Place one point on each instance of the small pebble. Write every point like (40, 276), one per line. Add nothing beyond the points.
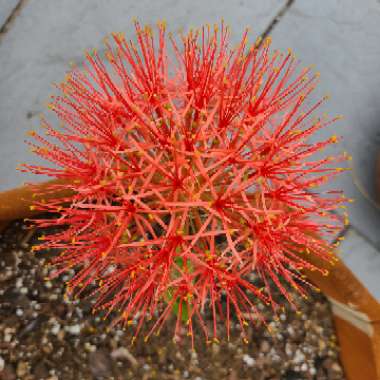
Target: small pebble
(90, 347)
(77, 344)
(146, 367)
(74, 329)
(248, 360)
(23, 290)
(55, 329)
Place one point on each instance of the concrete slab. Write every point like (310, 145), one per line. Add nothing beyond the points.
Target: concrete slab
(47, 35)
(362, 259)
(6, 8)
(342, 39)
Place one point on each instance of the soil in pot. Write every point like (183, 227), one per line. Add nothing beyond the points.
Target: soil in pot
(42, 336)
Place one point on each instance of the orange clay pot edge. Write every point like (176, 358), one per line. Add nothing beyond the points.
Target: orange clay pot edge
(343, 286)
(15, 203)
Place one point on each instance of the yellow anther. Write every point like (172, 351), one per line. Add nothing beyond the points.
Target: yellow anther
(109, 56)
(268, 41)
(148, 30)
(162, 24)
(347, 156)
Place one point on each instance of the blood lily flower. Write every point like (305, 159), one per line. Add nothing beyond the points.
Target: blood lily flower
(190, 171)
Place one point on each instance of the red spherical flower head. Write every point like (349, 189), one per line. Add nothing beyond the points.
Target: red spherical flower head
(191, 176)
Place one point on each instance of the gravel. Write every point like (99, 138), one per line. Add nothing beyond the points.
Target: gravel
(43, 336)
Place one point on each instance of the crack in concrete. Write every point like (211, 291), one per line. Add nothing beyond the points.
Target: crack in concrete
(341, 234)
(9, 21)
(277, 19)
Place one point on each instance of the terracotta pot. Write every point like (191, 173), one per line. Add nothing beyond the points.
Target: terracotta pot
(356, 311)
(357, 320)
(15, 203)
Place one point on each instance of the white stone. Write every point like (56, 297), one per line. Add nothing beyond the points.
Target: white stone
(146, 367)
(73, 329)
(24, 290)
(299, 357)
(248, 360)
(288, 350)
(55, 329)
(312, 371)
(304, 367)
(48, 284)
(89, 347)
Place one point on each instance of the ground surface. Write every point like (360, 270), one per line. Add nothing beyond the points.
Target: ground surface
(44, 337)
(38, 38)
